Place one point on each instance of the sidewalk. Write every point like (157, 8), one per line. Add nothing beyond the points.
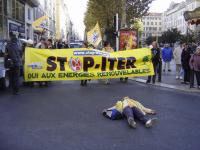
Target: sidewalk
(169, 81)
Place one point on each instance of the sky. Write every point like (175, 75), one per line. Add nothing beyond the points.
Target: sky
(77, 8)
(161, 5)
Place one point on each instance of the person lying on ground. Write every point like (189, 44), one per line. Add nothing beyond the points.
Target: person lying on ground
(130, 109)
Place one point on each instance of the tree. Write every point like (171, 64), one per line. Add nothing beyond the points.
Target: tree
(171, 36)
(103, 11)
(136, 9)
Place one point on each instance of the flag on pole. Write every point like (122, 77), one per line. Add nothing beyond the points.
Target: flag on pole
(94, 36)
(40, 23)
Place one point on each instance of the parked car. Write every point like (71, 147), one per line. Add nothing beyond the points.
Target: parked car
(75, 45)
(4, 78)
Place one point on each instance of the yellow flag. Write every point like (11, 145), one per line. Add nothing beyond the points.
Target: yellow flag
(39, 24)
(94, 35)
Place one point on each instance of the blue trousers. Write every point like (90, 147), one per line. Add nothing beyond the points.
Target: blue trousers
(134, 113)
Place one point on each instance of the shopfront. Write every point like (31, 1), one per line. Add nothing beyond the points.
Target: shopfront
(12, 18)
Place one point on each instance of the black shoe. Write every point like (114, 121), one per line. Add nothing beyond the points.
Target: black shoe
(131, 123)
(126, 80)
(184, 83)
(15, 92)
(147, 82)
(163, 70)
(169, 70)
(154, 82)
(192, 86)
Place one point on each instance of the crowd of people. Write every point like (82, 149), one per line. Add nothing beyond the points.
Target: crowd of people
(186, 57)
(187, 60)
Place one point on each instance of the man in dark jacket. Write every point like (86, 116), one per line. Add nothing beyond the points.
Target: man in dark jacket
(13, 55)
(155, 60)
(185, 59)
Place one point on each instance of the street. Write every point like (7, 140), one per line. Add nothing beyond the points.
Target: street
(65, 116)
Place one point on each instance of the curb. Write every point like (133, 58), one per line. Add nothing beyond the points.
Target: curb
(181, 88)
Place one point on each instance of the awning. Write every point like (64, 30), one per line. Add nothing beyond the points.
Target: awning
(193, 17)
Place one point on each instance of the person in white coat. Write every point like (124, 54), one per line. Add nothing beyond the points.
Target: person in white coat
(177, 57)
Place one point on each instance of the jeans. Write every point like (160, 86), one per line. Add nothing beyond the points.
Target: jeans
(14, 76)
(167, 65)
(155, 71)
(134, 113)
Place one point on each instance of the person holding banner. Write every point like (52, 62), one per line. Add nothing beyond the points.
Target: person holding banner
(156, 59)
(126, 47)
(107, 48)
(84, 82)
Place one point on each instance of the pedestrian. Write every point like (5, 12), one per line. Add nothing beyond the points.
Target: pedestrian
(195, 67)
(13, 61)
(84, 82)
(130, 109)
(107, 48)
(49, 44)
(167, 56)
(41, 44)
(177, 57)
(59, 44)
(125, 47)
(155, 60)
(185, 58)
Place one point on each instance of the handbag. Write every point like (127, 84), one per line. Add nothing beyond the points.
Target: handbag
(8, 63)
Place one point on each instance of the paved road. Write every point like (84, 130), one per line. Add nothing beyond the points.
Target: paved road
(67, 117)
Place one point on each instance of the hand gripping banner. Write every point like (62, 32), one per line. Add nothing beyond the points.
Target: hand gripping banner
(81, 64)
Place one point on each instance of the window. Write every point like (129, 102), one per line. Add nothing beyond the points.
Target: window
(155, 23)
(160, 23)
(147, 23)
(29, 14)
(151, 23)
(1, 6)
(1, 23)
(13, 6)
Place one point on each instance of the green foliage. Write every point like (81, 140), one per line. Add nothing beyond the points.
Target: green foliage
(171, 36)
(103, 11)
(138, 25)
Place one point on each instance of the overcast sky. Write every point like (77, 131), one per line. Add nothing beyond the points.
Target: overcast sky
(77, 9)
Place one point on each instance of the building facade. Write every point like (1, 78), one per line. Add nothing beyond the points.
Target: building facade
(63, 21)
(48, 8)
(152, 25)
(173, 17)
(12, 18)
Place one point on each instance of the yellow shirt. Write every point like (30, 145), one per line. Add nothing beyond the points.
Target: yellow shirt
(120, 105)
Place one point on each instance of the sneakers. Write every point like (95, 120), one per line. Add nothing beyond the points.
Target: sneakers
(131, 123)
(177, 77)
(181, 78)
(150, 122)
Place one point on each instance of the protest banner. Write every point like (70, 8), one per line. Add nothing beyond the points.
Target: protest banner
(80, 64)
